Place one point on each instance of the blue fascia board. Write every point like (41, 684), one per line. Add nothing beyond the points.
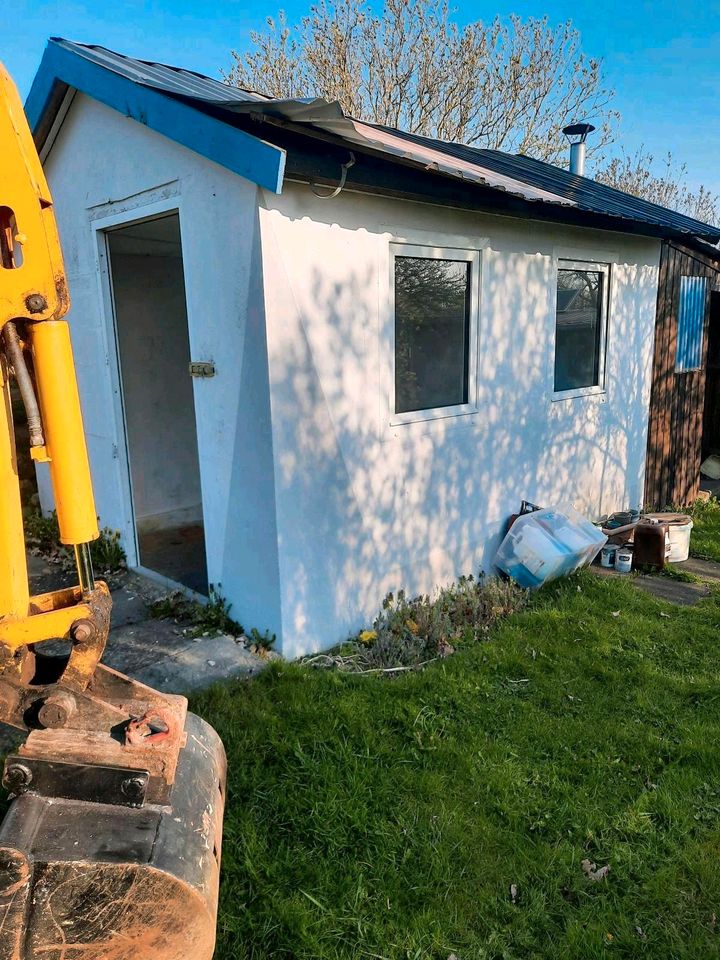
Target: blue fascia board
(260, 162)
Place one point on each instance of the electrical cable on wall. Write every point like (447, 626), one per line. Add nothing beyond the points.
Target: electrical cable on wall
(345, 167)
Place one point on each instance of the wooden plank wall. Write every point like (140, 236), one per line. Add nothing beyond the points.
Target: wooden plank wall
(674, 450)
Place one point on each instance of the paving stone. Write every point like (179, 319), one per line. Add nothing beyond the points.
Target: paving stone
(673, 591)
(707, 570)
(664, 588)
(135, 646)
(196, 665)
(159, 653)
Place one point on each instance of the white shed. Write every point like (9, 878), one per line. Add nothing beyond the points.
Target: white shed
(321, 360)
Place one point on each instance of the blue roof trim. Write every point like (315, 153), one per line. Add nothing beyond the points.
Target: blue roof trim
(260, 162)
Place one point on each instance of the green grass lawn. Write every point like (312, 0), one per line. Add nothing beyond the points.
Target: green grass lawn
(705, 539)
(370, 817)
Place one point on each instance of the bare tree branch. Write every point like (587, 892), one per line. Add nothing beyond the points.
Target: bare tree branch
(636, 174)
(504, 85)
(507, 85)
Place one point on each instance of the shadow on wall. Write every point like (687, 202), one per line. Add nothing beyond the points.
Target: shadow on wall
(363, 508)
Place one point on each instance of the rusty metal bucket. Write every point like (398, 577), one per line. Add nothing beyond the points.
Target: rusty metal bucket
(104, 881)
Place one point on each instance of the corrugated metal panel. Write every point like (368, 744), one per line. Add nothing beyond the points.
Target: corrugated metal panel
(523, 176)
(691, 322)
(185, 83)
(585, 192)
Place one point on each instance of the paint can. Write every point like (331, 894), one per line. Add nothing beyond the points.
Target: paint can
(607, 555)
(623, 559)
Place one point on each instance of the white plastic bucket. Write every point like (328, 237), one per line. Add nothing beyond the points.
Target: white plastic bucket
(623, 560)
(679, 541)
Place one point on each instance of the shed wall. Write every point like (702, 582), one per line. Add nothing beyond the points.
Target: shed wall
(364, 507)
(314, 505)
(674, 450)
(104, 166)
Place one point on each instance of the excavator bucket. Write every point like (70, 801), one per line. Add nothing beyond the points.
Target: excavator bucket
(110, 877)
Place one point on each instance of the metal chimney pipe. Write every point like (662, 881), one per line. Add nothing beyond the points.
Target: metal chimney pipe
(577, 158)
(577, 147)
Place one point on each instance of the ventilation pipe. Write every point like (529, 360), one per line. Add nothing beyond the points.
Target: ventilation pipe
(578, 132)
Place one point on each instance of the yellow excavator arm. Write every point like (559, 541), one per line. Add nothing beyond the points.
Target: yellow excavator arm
(111, 846)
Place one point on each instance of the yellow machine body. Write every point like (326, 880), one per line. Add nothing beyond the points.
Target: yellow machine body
(111, 846)
(28, 224)
(33, 291)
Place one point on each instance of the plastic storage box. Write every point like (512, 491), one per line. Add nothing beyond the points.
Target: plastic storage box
(547, 544)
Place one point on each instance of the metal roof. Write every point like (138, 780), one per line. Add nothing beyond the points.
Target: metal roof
(587, 193)
(522, 176)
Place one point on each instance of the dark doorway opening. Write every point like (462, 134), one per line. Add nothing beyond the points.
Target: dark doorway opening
(711, 415)
(154, 352)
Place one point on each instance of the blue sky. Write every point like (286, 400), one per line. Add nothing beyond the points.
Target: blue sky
(662, 58)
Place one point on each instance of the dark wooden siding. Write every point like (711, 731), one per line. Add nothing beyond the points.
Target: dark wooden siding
(674, 450)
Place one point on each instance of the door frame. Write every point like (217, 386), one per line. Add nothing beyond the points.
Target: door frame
(102, 226)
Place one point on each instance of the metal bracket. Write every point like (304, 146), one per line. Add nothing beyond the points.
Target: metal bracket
(201, 368)
(119, 786)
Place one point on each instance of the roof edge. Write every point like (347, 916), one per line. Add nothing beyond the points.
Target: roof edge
(254, 159)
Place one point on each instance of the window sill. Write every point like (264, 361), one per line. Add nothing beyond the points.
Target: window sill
(425, 416)
(578, 393)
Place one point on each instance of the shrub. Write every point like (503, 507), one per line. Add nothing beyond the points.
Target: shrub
(410, 632)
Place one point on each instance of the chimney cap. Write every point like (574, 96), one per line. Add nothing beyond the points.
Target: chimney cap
(578, 130)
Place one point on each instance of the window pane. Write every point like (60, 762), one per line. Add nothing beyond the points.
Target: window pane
(432, 323)
(578, 321)
(691, 323)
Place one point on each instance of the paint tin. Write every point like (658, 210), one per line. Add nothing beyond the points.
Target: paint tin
(607, 555)
(623, 560)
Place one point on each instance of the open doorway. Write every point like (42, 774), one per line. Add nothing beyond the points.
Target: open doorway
(711, 418)
(153, 347)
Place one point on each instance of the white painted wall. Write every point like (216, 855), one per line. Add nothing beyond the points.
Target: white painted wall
(152, 333)
(313, 513)
(364, 507)
(103, 168)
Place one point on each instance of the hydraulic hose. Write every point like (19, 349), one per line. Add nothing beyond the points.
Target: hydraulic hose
(15, 355)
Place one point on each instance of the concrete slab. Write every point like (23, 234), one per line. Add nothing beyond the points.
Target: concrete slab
(664, 588)
(707, 570)
(161, 654)
(673, 591)
(198, 664)
(134, 646)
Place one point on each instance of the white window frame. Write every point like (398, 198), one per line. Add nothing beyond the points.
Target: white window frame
(429, 252)
(600, 387)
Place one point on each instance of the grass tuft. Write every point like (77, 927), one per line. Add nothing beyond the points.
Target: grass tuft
(212, 617)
